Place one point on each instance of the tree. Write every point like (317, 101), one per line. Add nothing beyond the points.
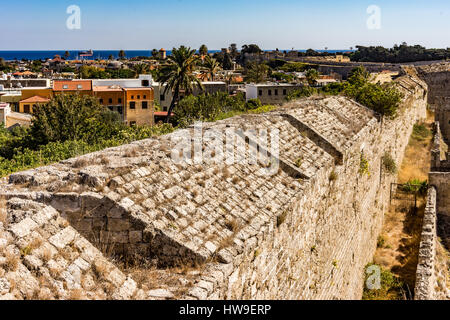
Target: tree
(252, 48)
(311, 76)
(111, 57)
(72, 117)
(122, 54)
(66, 55)
(211, 66)
(256, 72)
(383, 99)
(203, 50)
(358, 76)
(155, 53)
(233, 51)
(178, 74)
(227, 62)
(141, 68)
(36, 66)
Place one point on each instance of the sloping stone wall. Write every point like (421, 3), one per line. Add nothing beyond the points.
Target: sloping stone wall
(328, 234)
(304, 233)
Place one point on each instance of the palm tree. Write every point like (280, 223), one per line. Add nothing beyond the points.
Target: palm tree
(141, 68)
(121, 54)
(256, 72)
(203, 50)
(178, 74)
(311, 76)
(211, 67)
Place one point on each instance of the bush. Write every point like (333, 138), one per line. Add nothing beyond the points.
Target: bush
(25, 158)
(391, 287)
(253, 104)
(73, 117)
(364, 166)
(207, 107)
(415, 186)
(384, 99)
(421, 132)
(389, 163)
(305, 91)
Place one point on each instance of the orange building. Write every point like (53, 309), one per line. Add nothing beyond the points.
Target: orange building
(73, 86)
(139, 106)
(134, 104)
(112, 97)
(26, 105)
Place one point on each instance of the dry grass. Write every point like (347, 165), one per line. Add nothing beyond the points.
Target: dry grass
(398, 245)
(80, 163)
(131, 152)
(11, 262)
(225, 173)
(3, 215)
(76, 294)
(416, 162)
(104, 160)
(233, 225)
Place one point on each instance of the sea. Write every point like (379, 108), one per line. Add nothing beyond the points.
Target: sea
(98, 54)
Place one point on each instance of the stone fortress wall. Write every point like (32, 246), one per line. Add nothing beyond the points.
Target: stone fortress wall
(431, 282)
(306, 232)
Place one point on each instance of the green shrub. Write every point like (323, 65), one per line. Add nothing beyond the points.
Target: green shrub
(382, 98)
(253, 104)
(415, 186)
(391, 287)
(381, 242)
(333, 176)
(421, 132)
(389, 163)
(305, 91)
(364, 166)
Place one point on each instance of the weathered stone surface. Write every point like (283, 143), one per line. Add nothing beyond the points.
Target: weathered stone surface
(257, 228)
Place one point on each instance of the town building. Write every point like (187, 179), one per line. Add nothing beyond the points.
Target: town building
(10, 118)
(324, 80)
(270, 93)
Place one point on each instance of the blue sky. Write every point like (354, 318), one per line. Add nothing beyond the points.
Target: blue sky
(284, 24)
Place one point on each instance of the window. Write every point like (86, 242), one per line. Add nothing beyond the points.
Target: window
(26, 108)
(145, 97)
(101, 100)
(110, 100)
(276, 92)
(164, 108)
(144, 105)
(80, 86)
(132, 97)
(145, 83)
(132, 123)
(270, 92)
(260, 92)
(284, 92)
(120, 100)
(132, 105)
(120, 109)
(65, 86)
(139, 97)
(161, 97)
(111, 108)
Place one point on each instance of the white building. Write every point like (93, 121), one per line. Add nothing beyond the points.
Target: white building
(144, 81)
(270, 93)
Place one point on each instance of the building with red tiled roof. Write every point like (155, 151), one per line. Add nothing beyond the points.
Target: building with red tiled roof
(27, 105)
(72, 85)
